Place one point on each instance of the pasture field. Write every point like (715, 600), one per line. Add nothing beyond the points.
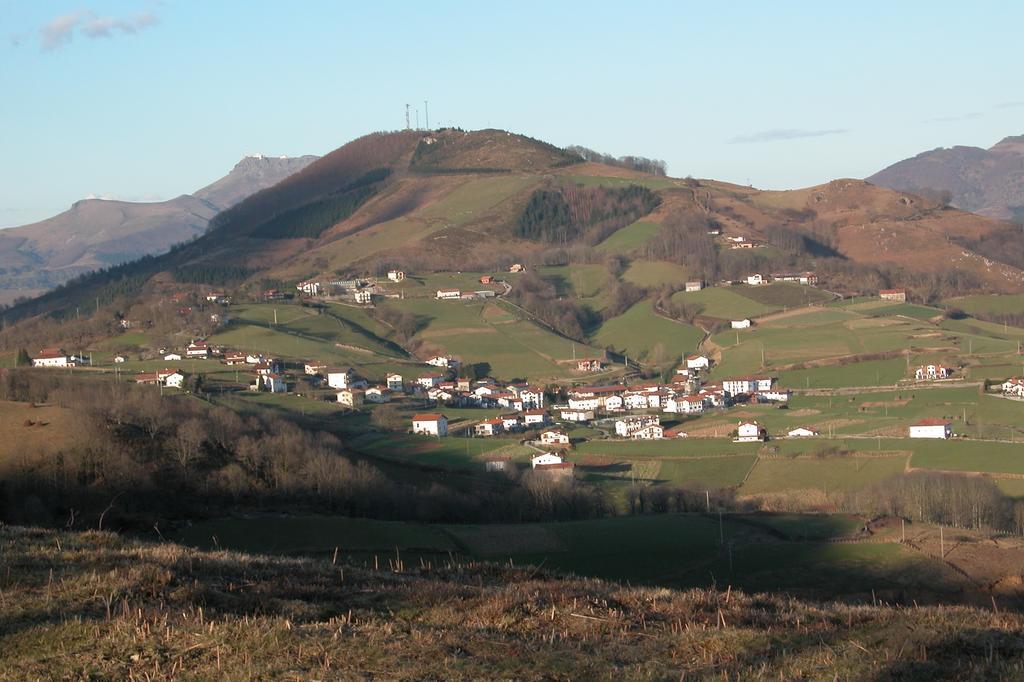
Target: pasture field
(955, 455)
(465, 454)
(784, 294)
(581, 281)
(918, 312)
(653, 274)
(650, 181)
(989, 304)
(723, 302)
(706, 472)
(642, 334)
(867, 373)
(776, 475)
(629, 238)
(28, 431)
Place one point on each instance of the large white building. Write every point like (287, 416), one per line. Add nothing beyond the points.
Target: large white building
(750, 432)
(53, 357)
(545, 459)
(738, 385)
(931, 428)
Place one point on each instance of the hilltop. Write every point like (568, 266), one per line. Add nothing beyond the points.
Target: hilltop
(985, 181)
(98, 233)
(95, 604)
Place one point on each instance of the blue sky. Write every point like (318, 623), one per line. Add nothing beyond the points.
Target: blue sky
(147, 100)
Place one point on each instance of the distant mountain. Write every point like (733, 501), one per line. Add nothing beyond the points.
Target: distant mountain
(95, 233)
(985, 181)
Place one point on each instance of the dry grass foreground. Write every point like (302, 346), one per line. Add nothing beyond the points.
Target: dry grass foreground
(96, 606)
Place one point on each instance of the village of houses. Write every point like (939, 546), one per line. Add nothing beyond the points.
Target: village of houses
(633, 411)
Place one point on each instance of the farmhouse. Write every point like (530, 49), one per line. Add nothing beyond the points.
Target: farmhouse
(197, 349)
(510, 422)
(750, 432)
(801, 432)
(340, 378)
(537, 417)
(750, 384)
(351, 397)
(698, 362)
(486, 279)
(448, 294)
(364, 296)
(53, 357)
(931, 428)
(589, 365)
(545, 459)
(172, 356)
(491, 427)
(559, 471)
(430, 424)
(799, 277)
(120, 358)
(394, 382)
(571, 415)
(893, 295)
(772, 396)
(755, 280)
(396, 275)
(627, 426)
(1013, 387)
(649, 432)
(516, 267)
(613, 403)
(442, 361)
(687, 404)
(273, 383)
(234, 359)
(740, 324)
(695, 285)
(554, 437)
(309, 288)
(930, 372)
(378, 394)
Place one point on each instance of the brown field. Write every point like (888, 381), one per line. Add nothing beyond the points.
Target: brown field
(51, 428)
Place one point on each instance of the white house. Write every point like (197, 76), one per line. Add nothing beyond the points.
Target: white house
(554, 437)
(750, 432)
(172, 356)
(510, 422)
(448, 294)
(312, 368)
(53, 357)
(394, 382)
(931, 428)
(396, 275)
(430, 423)
(309, 288)
(197, 349)
(685, 404)
(351, 397)
(497, 464)
(545, 459)
(649, 432)
(378, 394)
(627, 426)
(173, 379)
(738, 385)
(613, 403)
(931, 372)
(341, 378)
(1013, 387)
(442, 361)
(755, 280)
(773, 396)
(571, 415)
(429, 380)
(694, 285)
(532, 398)
(274, 383)
(491, 427)
(120, 358)
(801, 432)
(364, 296)
(740, 324)
(536, 417)
(698, 362)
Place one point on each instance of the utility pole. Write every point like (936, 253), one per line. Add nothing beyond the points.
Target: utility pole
(942, 543)
(406, 116)
(426, 114)
(707, 496)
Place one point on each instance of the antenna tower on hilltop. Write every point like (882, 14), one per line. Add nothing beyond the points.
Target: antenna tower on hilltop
(407, 117)
(426, 114)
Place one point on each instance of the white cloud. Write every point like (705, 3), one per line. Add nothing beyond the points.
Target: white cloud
(61, 30)
(784, 134)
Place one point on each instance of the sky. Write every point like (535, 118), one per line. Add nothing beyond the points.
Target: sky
(146, 100)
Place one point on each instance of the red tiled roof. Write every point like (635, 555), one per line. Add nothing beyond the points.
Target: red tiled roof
(428, 417)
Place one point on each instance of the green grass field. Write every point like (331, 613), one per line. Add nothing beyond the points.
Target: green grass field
(825, 474)
(643, 335)
(653, 274)
(629, 238)
(725, 303)
(784, 294)
(867, 373)
(991, 304)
